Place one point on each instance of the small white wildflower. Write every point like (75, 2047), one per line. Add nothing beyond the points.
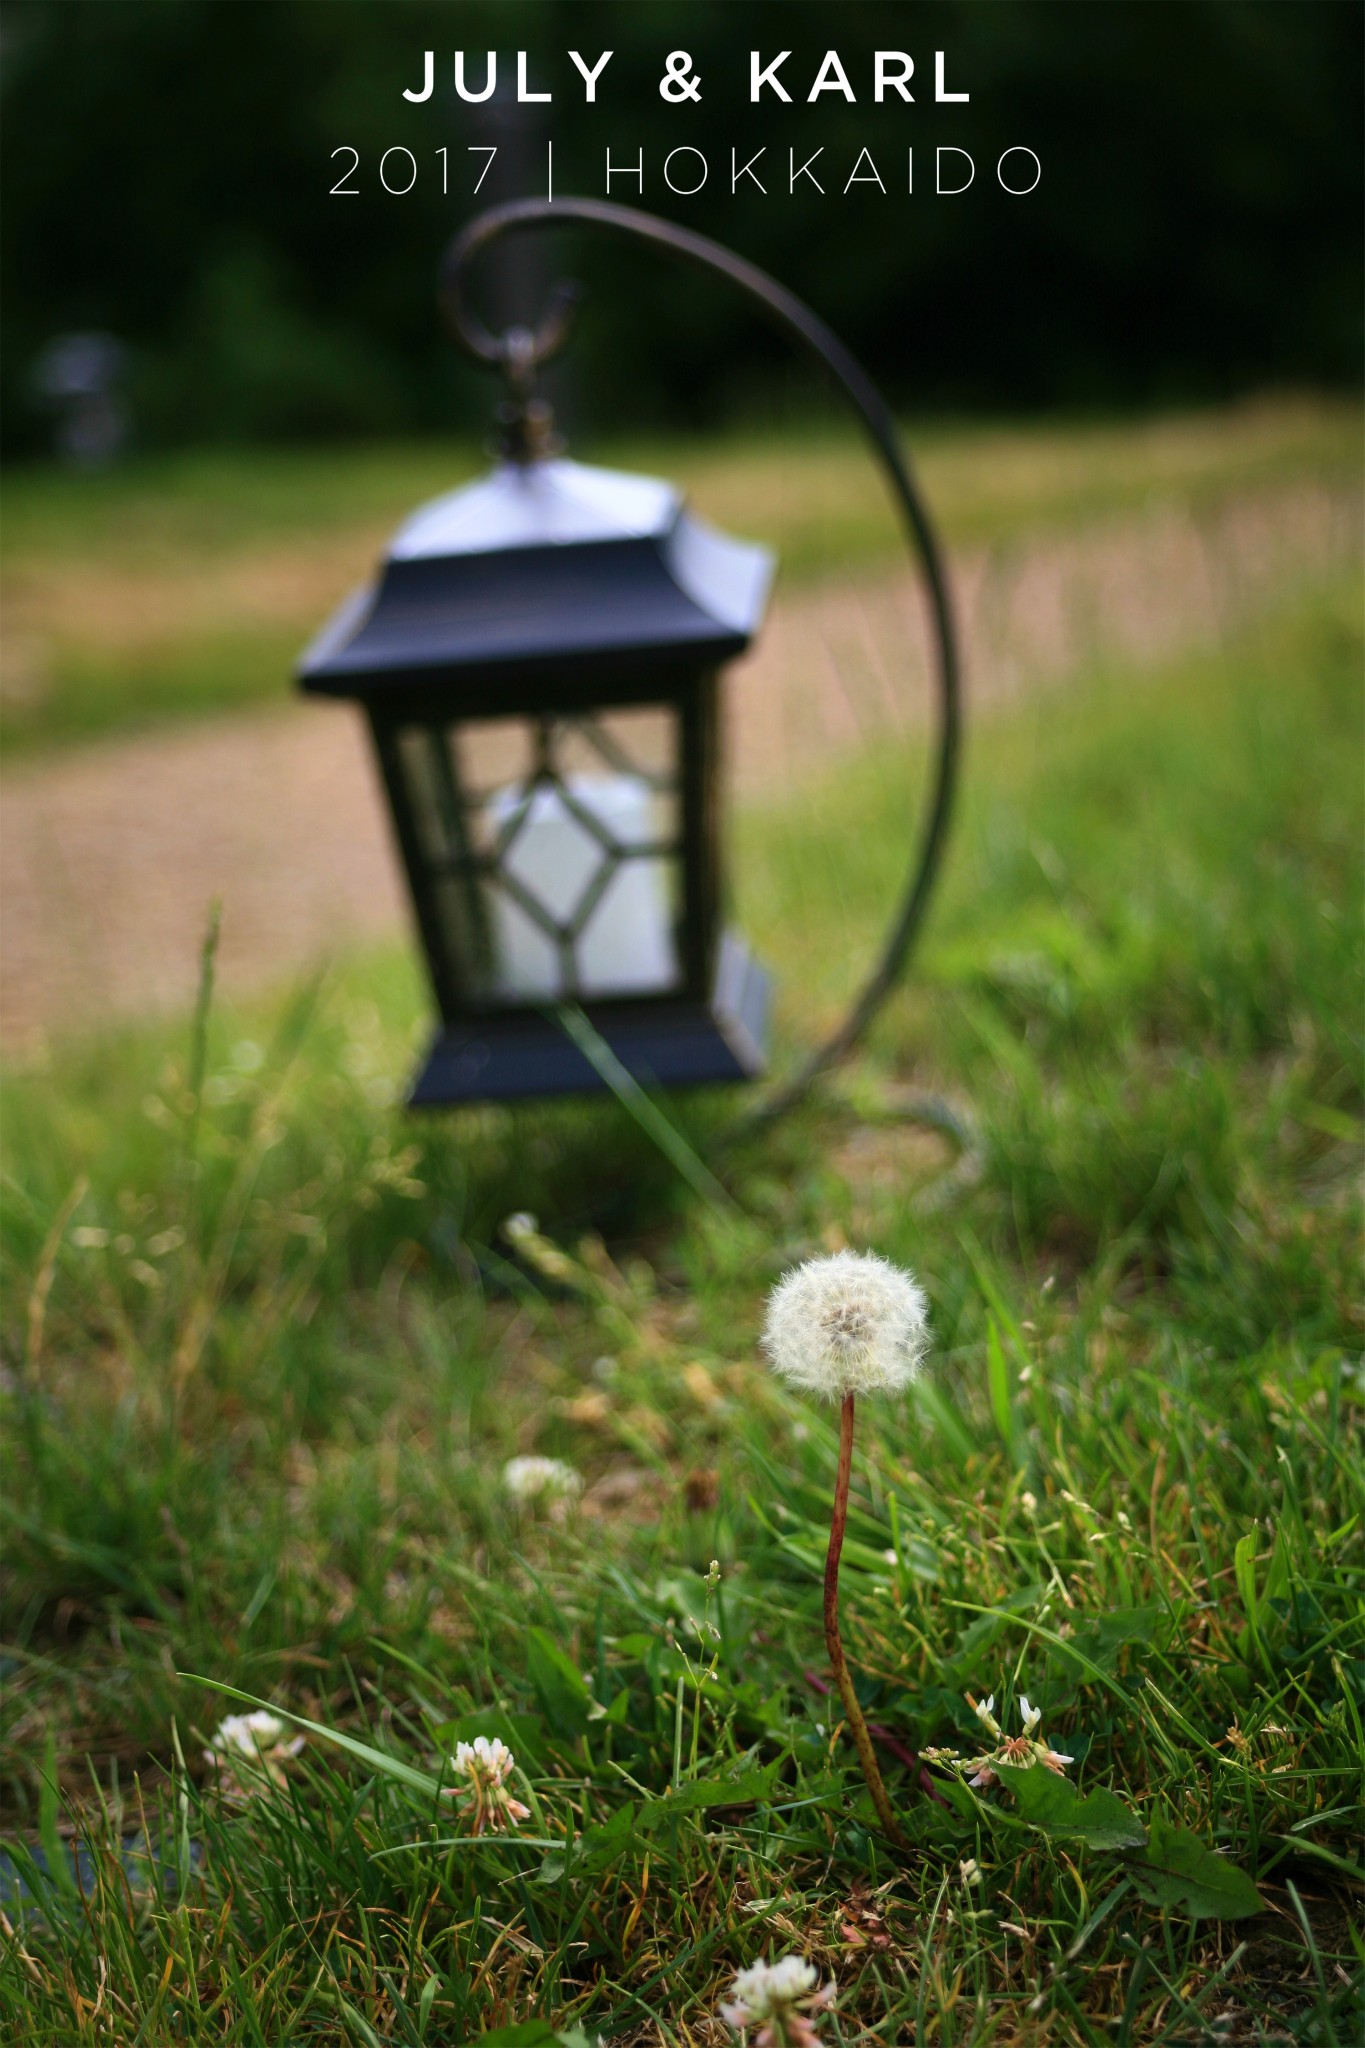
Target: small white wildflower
(985, 1713)
(848, 1324)
(1029, 1503)
(483, 1759)
(778, 1998)
(485, 1766)
(249, 1747)
(970, 1871)
(1020, 1751)
(250, 1735)
(540, 1479)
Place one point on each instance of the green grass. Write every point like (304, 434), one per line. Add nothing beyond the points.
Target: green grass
(188, 584)
(269, 1349)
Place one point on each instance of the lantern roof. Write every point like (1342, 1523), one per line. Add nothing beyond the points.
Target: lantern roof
(542, 567)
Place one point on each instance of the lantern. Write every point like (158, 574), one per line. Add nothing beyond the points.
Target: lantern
(539, 659)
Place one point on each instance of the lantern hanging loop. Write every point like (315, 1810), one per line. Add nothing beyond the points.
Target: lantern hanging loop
(520, 357)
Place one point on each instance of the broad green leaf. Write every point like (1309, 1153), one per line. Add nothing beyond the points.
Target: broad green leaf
(529, 2034)
(956, 1795)
(524, 2034)
(1099, 1639)
(1053, 1804)
(1178, 1871)
(699, 1793)
(595, 1850)
(560, 1686)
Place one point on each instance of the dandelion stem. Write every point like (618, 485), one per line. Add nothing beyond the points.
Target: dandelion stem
(867, 1756)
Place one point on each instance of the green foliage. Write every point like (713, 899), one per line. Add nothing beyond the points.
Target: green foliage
(268, 1348)
(1098, 1819)
(225, 280)
(1176, 1870)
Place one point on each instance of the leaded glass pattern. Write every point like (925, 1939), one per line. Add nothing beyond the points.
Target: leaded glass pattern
(553, 852)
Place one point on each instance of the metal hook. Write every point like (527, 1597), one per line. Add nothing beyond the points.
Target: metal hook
(797, 320)
(521, 351)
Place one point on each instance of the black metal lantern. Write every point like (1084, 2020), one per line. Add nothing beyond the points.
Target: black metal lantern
(539, 658)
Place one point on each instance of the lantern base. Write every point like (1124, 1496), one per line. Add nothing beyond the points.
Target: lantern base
(663, 1041)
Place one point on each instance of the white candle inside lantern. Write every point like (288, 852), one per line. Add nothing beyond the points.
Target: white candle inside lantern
(626, 946)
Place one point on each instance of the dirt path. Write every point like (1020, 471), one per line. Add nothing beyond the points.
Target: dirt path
(109, 858)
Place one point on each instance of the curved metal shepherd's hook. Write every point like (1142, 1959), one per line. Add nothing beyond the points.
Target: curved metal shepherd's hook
(520, 351)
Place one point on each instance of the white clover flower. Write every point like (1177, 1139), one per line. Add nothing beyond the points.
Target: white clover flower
(533, 1479)
(778, 1997)
(969, 1871)
(247, 1748)
(249, 1735)
(1020, 1751)
(485, 1762)
(985, 1713)
(485, 1766)
(848, 1324)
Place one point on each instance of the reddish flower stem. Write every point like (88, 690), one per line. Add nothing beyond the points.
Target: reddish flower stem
(867, 1756)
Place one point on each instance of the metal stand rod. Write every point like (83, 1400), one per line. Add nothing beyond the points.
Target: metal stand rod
(519, 352)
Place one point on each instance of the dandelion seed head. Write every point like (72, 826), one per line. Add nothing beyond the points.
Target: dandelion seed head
(851, 1323)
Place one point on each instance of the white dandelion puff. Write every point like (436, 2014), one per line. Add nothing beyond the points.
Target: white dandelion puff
(838, 1327)
(849, 1324)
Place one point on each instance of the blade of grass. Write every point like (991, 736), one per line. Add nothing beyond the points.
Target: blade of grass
(643, 1108)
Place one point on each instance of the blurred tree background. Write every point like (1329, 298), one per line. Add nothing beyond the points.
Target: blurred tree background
(167, 166)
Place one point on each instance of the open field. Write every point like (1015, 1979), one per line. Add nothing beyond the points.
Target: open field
(269, 1345)
(188, 584)
(1067, 559)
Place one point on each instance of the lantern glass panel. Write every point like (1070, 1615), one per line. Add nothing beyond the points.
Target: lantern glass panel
(553, 848)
